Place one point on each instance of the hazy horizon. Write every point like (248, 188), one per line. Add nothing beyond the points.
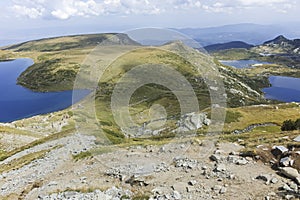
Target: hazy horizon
(24, 20)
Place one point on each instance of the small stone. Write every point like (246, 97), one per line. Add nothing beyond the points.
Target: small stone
(162, 150)
(219, 152)
(297, 139)
(297, 180)
(286, 187)
(220, 168)
(192, 182)
(274, 180)
(176, 195)
(272, 194)
(216, 158)
(285, 162)
(217, 188)
(231, 177)
(180, 187)
(265, 177)
(223, 190)
(288, 196)
(233, 153)
(294, 186)
(52, 183)
(233, 159)
(242, 161)
(191, 189)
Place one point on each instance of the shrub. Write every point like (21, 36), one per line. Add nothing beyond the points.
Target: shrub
(297, 124)
(289, 125)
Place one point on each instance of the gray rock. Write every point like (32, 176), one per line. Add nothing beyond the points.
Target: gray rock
(279, 150)
(294, 186)
(192, 121)
(180, 187)
(297, 180)
(233, 159)
(242, 161)
(289, 196)
(192, 182)
(185, 163)
(285, 162)
(191, 189)
(176, 195)
(223, 190)
(274, 180)
(220, 168)
(297, 139)
(217, 188)
(286, 187)
(265, 177)
(216, 157)
(290, 172)
(52, 183)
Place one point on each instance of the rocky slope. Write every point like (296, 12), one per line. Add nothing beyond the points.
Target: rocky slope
(185, 169)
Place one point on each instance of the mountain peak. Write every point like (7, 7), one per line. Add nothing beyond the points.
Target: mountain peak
(278, 40)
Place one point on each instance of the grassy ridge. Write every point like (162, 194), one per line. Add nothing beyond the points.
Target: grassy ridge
(146, 96)
(57, 60)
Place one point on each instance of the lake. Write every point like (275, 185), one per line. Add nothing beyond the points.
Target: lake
(283, 89)
(243, 63)
(17, 102)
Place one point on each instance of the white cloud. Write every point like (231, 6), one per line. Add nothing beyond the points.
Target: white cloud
(29, 12)
(69, 8)
(64, 9)
(261, 2)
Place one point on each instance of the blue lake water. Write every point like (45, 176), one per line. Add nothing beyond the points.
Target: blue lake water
(242, 63)
(286, 89)
(283, 88)
(17, 102)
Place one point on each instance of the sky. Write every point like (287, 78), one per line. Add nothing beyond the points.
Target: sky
(26, 19)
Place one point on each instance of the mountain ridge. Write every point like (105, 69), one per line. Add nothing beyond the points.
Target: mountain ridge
(228, 45)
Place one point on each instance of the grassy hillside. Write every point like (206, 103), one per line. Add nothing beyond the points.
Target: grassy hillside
(58, 60)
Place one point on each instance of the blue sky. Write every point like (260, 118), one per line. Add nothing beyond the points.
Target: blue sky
(23, 19)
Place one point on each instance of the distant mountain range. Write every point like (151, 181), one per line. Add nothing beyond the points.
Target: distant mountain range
(248, 33)
(278, 45)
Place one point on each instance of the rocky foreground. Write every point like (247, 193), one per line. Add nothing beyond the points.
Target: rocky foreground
(189, 169)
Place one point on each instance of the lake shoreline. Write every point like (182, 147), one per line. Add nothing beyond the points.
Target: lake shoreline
(18, 102)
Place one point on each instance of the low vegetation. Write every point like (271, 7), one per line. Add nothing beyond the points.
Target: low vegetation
(290, 125)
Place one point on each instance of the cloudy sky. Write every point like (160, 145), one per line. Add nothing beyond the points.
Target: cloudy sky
(22, 19)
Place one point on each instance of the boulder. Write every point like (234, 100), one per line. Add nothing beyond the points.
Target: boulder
(279, 150)
(297, 139)
(192, 121)
(291, 173)
(285, 162)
